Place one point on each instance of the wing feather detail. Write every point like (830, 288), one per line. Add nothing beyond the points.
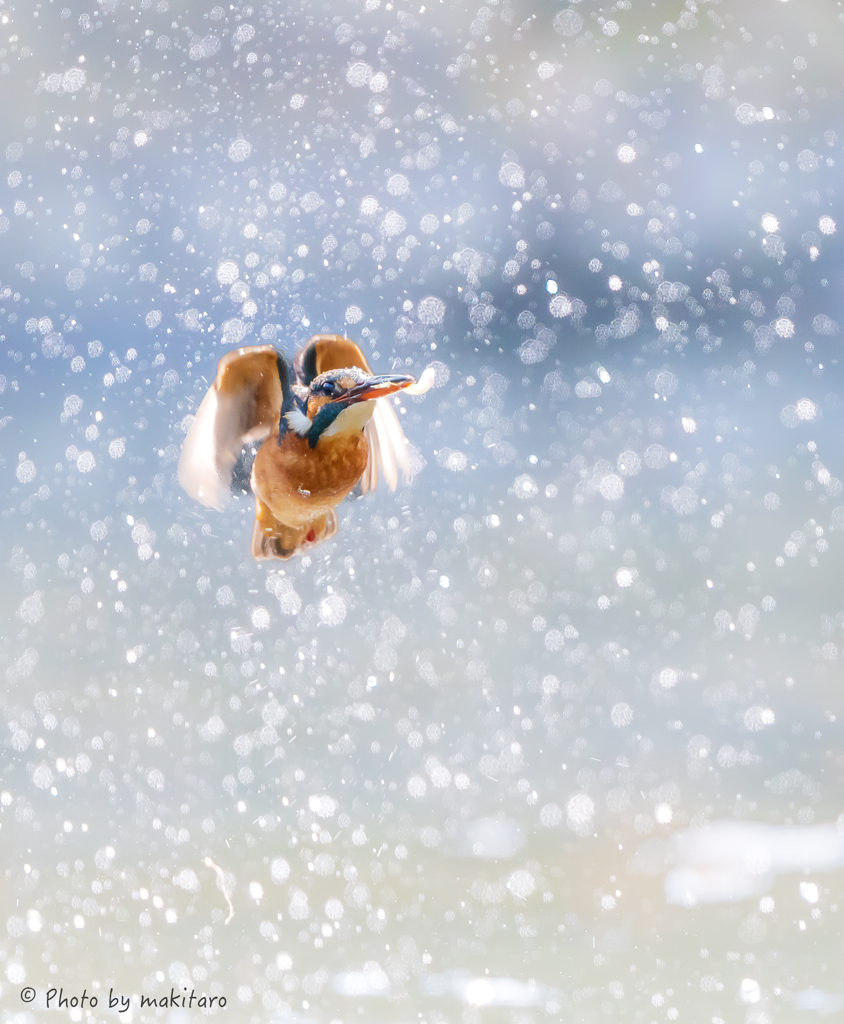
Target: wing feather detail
(387, 449)
(324, 352)
(242, 405)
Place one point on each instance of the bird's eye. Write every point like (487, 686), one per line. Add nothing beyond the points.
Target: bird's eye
(328, 388)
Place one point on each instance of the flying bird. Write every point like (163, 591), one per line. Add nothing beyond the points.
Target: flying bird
(323, 426)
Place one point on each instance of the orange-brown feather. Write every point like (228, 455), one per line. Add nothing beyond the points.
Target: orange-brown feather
(252, 371)
(333, 352)
(299, 483)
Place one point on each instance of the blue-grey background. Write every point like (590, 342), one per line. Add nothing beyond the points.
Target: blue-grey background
(439, 762)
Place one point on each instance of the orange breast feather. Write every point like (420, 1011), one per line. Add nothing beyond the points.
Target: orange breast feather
(298, 482)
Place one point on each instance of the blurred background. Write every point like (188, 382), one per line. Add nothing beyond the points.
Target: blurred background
(552, 732)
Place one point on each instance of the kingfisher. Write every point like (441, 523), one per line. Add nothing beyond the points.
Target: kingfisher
(324, 428)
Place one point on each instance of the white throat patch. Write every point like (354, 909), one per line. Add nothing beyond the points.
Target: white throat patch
(298, 421)
(353, 418)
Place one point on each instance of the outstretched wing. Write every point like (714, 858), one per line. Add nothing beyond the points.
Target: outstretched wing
(384, 434)
(324, 352)
(243, 404)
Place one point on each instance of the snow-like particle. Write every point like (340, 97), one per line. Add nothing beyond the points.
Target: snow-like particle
(568, 22)
(334, 910)
(824, 325)
(202, 47)
(398, 185)
(369, 206)
(580, 810)
(512, 175)
(279, 870)
(416, 787)
(332, 610)
(668, 678)
(25, 471)
(31, 609)
(282, 588)
(803, 411)
(684, 500)
(663, 814)
(393, 224)
(358, 74)
(521, 884)
(806, 409)
(629, 463)
(525, 487)
(748, 619)
(42, 776)
(560, 305)
(240, 150)
(808, 160)
(297, 905)
(186, 879)
(430, 310)
(550, 816)
(758, 718)
(456, 461)
(621, 715)
(323, 805)
(310, 202)
(228, 272)
(212, 730)
(260, 618)
(663, 382)
(611, 487)
(587, 388)
(656, 456)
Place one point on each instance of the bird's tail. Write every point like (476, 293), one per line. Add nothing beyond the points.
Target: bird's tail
(274, 539)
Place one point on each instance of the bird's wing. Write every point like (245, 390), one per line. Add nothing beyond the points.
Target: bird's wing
(384, 434)
(387, 443)
(325, 352)
(243, 404)
(387, 448)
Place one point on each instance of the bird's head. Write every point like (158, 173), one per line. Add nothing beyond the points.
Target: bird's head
(339, 401)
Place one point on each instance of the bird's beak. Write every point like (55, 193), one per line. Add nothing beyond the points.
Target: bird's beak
(379, 387)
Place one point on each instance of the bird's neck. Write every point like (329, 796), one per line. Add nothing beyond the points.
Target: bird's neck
(351, 420)
(328, 421)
